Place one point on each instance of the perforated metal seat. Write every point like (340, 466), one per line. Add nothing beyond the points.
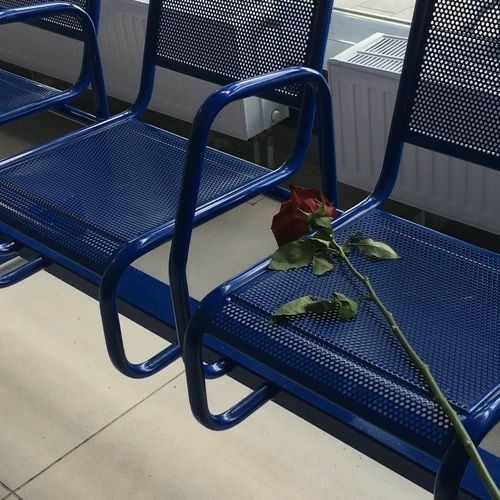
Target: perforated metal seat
(87, 198)
(432, 291)
(443, 292)
(19, 96)
(17, 91)
(96, 200)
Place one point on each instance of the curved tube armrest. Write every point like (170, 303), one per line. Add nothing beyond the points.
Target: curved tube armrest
(32, 12)
(196, 152)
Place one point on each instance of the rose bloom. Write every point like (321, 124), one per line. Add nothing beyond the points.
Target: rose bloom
(289, 224)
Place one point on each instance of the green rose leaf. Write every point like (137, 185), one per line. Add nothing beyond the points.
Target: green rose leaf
(346, 247)
(293, 255)
(293, 308)
(347, 308)
(322, 264)
(296, 254)
(375, 249)
(340, 304)
(323, 222)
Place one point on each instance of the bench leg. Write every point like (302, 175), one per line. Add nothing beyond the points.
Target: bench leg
(21, 272)
(455, 460)
(114, 339)
(113, 334)
(195, 374)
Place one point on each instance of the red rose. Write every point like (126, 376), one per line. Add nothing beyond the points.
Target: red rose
(290, 223)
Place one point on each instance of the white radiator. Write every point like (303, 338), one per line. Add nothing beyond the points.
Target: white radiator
(121, 39)
(364, 81)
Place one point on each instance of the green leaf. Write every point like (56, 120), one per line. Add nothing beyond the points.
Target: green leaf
(346, 247)
(297, 254)
(323, 222)
(319, 242)
(293, 308)
(293, 255)
(347, 308)
(323, 306)
(324, 234)
(344, 307)
(322, 264)
(355, 237)
(376, 249)
(340, 304)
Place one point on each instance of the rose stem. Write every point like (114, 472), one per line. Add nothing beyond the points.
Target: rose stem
(436, 392)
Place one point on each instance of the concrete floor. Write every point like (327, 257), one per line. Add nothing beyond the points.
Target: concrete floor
(398, 9)
(72, 427)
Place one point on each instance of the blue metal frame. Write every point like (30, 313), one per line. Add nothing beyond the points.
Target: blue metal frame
(481, 420)
(319, 30)
(196, 153)
(153, 306)
(110, 280)
(90, 72)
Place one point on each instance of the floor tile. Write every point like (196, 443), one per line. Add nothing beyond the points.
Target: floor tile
(239, 239)
(3, 492)
(406, 15)
(57, 385)
(20, 135)
(389, 6)
(158, 451)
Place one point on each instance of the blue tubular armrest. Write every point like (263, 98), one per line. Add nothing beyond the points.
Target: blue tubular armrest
(187, 207)
(452, 467)
(91, 53)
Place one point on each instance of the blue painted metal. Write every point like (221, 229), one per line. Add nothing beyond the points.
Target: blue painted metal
(197, 150)
(356, 365)
(98, 233)
(455, 461)
(131, 290)
(23, 271)
(8, 249)
(20, 96)
(246, 39)
(266, 291)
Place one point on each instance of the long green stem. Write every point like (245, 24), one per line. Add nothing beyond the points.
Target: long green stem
(434, 388)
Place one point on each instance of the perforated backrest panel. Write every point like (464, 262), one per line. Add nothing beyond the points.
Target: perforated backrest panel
(62, 24)
(228, 40)
(456, 104)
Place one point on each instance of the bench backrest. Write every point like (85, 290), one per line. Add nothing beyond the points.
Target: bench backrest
(453, 77)
(65, 25)
(223, 41)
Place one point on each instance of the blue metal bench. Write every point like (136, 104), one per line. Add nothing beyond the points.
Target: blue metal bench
(444, 293)
(97, 199)
(20, 96)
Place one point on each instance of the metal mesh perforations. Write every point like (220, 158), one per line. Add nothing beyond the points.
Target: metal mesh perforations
(16, 91)
(228, 40)
(458, 94)
(66, 22)
(433, 293)
(87, 198)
